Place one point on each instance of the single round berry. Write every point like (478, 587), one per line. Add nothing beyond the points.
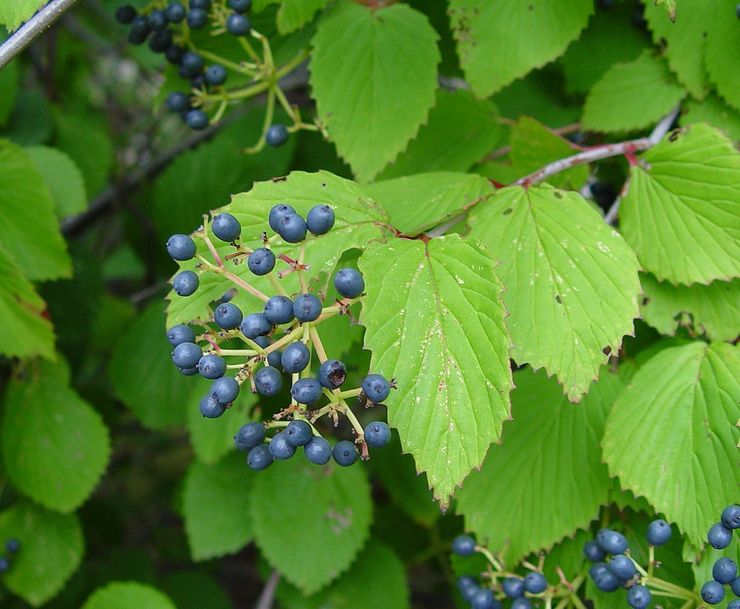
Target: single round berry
(332, 374)
(731, 516)
(125, 14)
(175, 12)
(240, 6)
(279, 310)
(306, 307)
(638, 597)
(658, 532)
(204, 4)
(724, 570)
(186, 355)
(375, 388)
(349, 282)
(606, 581)
(535, 582)
(622, 567)
(212, 366)
(226, 227)
(298, 433)
(185, 283)
(259, 458)
(611, 541)
(597, 569)
(12, 545)
(263, 341)
(4, 564)
(734, 603)
(306, 391)
(196, 119)
(521, 603)
(180, 247)
(320, 219)
(719, 536)
(225, 389)
(292, 228)
(274, 359)
(261, 261)
(377, 434)
(227, 316)
(174, 54)
(276, 135)
(317, 450)
(211, 408)
(179, 334)
(295, 357)
(483, 599)
(254, 325)
(177, 101)
(268, 381)
(513, 587)
(593, 551)
(157, 20)
(280, 448)
(345, 453)
(735, 585)
(192, 371)
(160, 41)
(249, 435)
(463, 545)
(467, 587)
(197, 18)
(713, 592)
(238, 24)
(140, 27)
(192, 62)
(215, 75)
(277, 212)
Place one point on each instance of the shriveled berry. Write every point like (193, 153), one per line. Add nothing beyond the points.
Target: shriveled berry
(332, 373)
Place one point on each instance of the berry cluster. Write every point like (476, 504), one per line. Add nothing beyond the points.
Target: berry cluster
(724, 570)
(12, 546)
(280, 339)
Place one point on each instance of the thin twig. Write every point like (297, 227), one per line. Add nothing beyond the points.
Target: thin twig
(268, 592)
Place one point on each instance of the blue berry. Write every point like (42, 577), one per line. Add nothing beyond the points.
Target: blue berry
(345, 453)
(276, 135)
(483, 599)
(274, 359)
(249, 435)
(4, 564)
(306, 307)
(238, 25)
(467, 587)
(306, 391)
(211, 408)
(298, 433)
(521, 603)
(611, 541)
(204, 4)
(186, 355)
(192, 371)
(175, 12)
(593, 551)
(735, 603)
(240, 6)
(177, 101)
(259, 458)
(375, 388)
(261, 261)
(215, 75)
(535, 583)
(712, 592)
(197, 18)
(317, 450)
(225, 389)
(280, 448)
(254, 325)
(719, 536)
(226, 227)
(597, 569)
(125, 14)
(196, 119)
(227, 316)
(180, 247)
(179, 334)
(12, 545)
(513, 587)
(157, 20)
(277, 212)
(279, 310)
(735, 585)
(263, 341)
(622, 567)
(606, 581)
(638, 597)
(332, 374)
(160, 41)
(295, 357)
(211, 366)
(174, 54)
(349, 282)
(658, 532)
(320, 219)
(192, 62)
(463, 545)
(292, 228)
(185, 283)
(377, 434)
(731, 516)
(140, 27)
(268, 381)
(724, 570)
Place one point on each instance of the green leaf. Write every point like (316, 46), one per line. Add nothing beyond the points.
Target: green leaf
(711, 310)
(435, 322)
(617, 102)
(9, 81)
(128, 595)
(51, 550)
(461, 130)
(714, 111)
(493, 52)
(191, 589)
(680, 212)
(374, 76)
(294, 14)
(549, 463)
(31, 121)
(63, 178)
(419, 202)
(723, 50)
(25, 202)
(331, 505)
(571, 280)
(678, 416)
(55, 445)
(26, 330)
(12, 14)
(216, 504)
(143, 375)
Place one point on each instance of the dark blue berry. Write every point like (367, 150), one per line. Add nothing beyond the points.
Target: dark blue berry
(606, 581)
(215, 75)
(179, 334)
(249, 435)
(240, 6)
(724, 570)
(211, 408)
(521, 603)
(467, 587)
(197, 18)
(298, 433)
(719, 536)
(180, 247)
(463, 545)
(186, 355)
(274, 359)
(280, 448)
(306, 307)
(196, 119)
(611, 541)
(204, 4)
(317, 450)
(174, 54)
(483, 599)
(157, 20)
(597, 569)
(345, 453)
(227, 316)
(534, 583)
(4, 564)
(295, 357)
(306, 391)
(226, 227)
(268, 381)
(593, 551)
(731, 516)
(198, 81)
(185, 283)
(658, 532)
(349, 282)
(211, 366)
(276, 135)
(332, 374)
(377, 434)
(139, 30)
(125, 14)
(277, 212)
(279, 310)
(259, 457)
(622, 567)
(292, 228)
(175, 12)
(638, 597)
(375, 388)
(735, 585)
(513, 587)
(160, 41)
(225, 389)
(192, 62)
(261, 261)
(177, 101)
(713, 592)
(263, 341)
(255, 324)
(192, 371)
(238, 25)
(734, 603)
(320, 219)
(12, 545)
